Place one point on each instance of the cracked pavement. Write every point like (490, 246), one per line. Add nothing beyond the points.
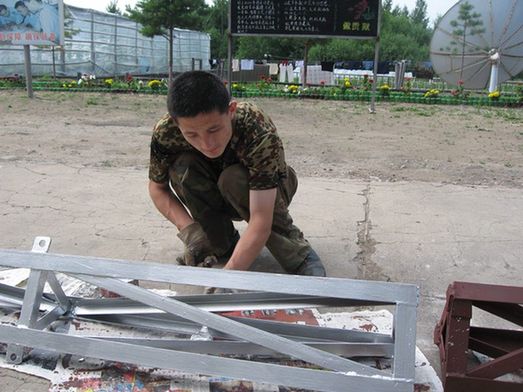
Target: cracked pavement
(77, 188)
(420, 233)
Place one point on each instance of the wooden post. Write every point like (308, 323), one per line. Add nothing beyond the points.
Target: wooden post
(229, 53)
(171, 49)
(28, 73)
(372, 108)
(305, 60)
(54, 63)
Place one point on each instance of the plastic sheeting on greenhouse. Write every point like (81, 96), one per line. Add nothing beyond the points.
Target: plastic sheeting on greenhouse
(106, 45)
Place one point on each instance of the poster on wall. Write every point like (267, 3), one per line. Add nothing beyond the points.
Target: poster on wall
(31, 22)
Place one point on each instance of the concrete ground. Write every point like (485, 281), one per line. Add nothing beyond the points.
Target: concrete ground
(420, 233)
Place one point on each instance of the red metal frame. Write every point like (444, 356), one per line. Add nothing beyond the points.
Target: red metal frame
(455, 337)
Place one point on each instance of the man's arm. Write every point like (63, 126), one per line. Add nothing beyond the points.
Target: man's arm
(261, 208)
(168, 204)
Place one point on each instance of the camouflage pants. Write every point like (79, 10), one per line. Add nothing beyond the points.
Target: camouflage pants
(216, 197)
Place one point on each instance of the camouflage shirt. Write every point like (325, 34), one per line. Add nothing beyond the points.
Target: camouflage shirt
(254, 143)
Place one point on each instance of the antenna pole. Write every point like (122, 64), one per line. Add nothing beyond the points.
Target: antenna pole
(494, 60)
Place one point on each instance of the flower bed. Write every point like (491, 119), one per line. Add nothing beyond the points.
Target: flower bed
(89, 83)
(442, 98)
(361, 90)
(345, 90)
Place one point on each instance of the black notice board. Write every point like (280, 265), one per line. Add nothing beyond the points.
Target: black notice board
(342, 18)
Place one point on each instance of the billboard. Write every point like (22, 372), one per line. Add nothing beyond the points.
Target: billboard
(31, 22)
(311, 18)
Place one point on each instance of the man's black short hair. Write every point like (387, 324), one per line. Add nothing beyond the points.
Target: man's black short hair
(3, 7)
(20, 3)
(195, 92)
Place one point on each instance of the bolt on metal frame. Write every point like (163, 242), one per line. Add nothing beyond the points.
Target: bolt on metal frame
(327, 349)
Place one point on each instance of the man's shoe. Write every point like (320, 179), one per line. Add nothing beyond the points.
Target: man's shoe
(311, 266)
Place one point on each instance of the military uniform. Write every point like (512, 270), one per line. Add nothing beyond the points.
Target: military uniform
(216, 191)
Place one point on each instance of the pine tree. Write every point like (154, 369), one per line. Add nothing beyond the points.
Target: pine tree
(112, 8)
(468, 23)
(419, 14)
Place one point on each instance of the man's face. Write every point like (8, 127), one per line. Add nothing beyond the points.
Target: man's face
(23, 10)
(4, 12)
(210, 132)
(33, 5)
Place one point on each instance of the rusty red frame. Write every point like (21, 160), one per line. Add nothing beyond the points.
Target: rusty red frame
(455, 337)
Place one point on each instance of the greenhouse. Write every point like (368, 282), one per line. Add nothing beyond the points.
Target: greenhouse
(107, 45)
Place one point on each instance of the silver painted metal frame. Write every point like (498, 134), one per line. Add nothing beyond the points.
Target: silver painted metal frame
(326, 349)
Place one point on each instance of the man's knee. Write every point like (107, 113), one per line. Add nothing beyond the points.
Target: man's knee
(234, 180)
(189, 169)
(233, 185)
(183, 164)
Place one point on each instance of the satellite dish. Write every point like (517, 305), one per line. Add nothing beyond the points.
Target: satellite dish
(479, 42)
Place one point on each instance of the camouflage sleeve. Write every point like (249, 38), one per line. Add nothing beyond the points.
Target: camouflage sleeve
(264, 156)
(161, 156)
(159, 162)
(266, 162)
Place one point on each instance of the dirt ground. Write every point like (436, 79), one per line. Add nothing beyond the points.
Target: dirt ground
(447, 144)
(53, 137)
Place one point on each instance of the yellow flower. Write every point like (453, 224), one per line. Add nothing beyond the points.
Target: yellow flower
(432, 93)
(293, 88)
(494, 95)
(347, 83)
(154, 84)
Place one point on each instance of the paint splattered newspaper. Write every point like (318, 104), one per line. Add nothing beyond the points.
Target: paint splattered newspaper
(68, 373)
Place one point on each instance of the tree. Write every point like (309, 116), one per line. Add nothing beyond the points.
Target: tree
(468, 23)
(397, 11)
(405, 35)
(387, 5)
(401, 39)
(161, 17)
(216, 25)
(276, 48)
(437, 20)
(69, 30)
(419, 13)
(113, 8)
(342, 50)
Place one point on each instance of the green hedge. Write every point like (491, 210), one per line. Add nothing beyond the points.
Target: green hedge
(326, 93)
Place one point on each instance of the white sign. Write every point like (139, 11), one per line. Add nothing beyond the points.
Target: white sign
(31, 22)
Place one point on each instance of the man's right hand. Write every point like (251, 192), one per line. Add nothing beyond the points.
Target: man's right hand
(198, 249)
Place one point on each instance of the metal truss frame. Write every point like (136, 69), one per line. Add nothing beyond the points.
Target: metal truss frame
(327, 351)
(455, 336)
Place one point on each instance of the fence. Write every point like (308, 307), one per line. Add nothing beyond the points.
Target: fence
(106, 45)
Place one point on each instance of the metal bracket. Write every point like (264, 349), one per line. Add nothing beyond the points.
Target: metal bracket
(32, 301)
(41, 244)
(329, 351)
(455, 337)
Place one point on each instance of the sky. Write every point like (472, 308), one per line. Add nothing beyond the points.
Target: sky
(434, 7)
